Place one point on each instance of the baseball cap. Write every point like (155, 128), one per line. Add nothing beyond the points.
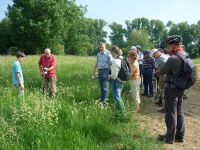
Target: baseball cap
(174, 39)
(133, 48)
(153, 51)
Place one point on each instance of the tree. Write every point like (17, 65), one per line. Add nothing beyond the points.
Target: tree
(139, 37)
(117, 35)
(137, 24)
(84, 36)
(157, 31)
(5, 36)
(38, 24)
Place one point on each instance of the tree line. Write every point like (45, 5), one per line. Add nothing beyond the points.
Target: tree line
(32, 25)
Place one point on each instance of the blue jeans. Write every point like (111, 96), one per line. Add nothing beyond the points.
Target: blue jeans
(116, 87)
(148, 81)
(103, 75)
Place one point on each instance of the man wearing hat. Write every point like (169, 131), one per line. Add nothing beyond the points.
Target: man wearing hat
(174, 116)
(148, 65)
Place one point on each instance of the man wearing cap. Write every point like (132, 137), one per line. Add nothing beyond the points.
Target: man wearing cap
(148, 65)
(17, 75)
(47, 66)
(160, 58)
(174, 116)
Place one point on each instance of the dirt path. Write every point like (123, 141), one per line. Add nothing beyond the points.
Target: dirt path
(155, 122)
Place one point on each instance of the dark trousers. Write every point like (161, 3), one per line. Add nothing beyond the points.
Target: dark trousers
(148, 81)
(174, 117)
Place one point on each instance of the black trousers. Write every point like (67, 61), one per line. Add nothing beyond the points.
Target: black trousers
(174, 117)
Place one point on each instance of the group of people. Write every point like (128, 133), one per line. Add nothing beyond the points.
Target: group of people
(47, 67)
(108, 64)
(160, 66)
(143, 66)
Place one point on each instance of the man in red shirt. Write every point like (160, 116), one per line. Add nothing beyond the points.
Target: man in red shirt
(47, 66)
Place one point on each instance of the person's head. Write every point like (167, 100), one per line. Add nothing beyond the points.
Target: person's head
(102, 46)
(138, 47)
(134, 48)
(174, 43)
(47, 52)
(20, 56)
(155, 53)
(132, 56)
(146, 53)
(115, 51)
(162, 48)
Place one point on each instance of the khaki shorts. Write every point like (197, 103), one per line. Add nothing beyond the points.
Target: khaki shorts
(49, 85)
(20, 92)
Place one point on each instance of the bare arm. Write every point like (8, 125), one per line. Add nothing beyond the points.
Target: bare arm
(53, 64)
(95, 69)
(51, 68)
(21, 84)
(41, 70)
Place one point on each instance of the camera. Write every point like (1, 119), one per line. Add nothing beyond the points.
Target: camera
(45, 70)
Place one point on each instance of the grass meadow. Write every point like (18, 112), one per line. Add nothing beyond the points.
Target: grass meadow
(73, 120)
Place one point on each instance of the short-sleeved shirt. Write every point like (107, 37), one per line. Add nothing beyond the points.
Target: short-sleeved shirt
(140, 56)
(17, 69)
(161, 60)
(104, 60)
(47, 62)
(135, 71)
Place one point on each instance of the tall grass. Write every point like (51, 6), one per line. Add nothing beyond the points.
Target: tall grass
(72, 120)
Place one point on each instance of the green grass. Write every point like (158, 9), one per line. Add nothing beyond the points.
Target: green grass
(73, 120)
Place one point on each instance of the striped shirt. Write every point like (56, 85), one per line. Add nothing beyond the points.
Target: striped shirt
(148, 63)
(104, 60)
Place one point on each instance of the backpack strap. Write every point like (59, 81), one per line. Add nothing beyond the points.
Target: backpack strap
(170, 72)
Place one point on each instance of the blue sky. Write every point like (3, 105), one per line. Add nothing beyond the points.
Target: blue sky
(165, 10)
(121, 10)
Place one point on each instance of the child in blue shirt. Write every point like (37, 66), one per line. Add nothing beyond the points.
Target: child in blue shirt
(17, 75)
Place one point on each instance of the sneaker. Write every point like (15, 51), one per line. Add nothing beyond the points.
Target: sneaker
(138, 110)
(162, 138)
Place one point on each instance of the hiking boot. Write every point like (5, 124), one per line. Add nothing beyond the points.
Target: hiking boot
(162, 138)
(151, 95)
(179, 139)
(144, 94)
(184, 97)
(161, 110)
(159, 103)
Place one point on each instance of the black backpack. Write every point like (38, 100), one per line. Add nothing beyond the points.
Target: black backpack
(125, 71)
(188, 74)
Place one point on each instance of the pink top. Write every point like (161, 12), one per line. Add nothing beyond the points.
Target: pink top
(47, 62)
